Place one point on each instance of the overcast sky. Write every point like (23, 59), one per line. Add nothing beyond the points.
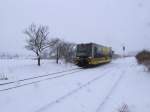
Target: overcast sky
(109, 22)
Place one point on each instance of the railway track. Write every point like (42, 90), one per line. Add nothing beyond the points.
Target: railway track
(37, 79)
(31, 80)
(60, 99)
(104, 101)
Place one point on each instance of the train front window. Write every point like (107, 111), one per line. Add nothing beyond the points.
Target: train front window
(84, 50)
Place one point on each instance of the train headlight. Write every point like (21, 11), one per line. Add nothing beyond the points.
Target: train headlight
(90, 57)
(77, 57)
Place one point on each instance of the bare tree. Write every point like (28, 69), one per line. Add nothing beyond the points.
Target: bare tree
(69, 52)
(62, 49)
(37, 39)
(54, 44)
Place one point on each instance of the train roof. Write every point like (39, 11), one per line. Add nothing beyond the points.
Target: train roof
(91, 44)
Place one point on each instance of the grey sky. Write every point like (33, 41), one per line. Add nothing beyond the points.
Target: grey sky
(108, 22)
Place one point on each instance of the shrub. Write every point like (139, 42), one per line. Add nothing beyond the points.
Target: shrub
(3, 77)
(143, 57)
(123, 108)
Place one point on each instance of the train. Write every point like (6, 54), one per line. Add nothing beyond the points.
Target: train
(90, 54)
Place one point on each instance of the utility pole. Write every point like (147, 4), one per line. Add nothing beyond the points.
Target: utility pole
(123, 48)
(57, 55)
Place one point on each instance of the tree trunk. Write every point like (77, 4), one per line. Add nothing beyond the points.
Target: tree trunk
(39, 60)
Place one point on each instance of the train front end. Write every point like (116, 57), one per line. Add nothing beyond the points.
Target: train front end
(83, 54)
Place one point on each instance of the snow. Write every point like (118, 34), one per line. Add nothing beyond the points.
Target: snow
(101, 89)
(24, 68)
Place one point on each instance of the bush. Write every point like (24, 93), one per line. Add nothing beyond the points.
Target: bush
(143, 57)
(123, 108)
(3, 77)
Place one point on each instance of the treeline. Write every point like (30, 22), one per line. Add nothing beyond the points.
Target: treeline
(59, 49)
(42, 46)
(8, 56)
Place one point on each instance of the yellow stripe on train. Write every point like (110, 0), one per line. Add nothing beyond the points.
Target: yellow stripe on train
(95, 61)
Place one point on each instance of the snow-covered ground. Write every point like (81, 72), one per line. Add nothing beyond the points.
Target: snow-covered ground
(101, 89)
(23, 68)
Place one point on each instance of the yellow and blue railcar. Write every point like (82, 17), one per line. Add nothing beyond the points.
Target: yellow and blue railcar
(92, 54)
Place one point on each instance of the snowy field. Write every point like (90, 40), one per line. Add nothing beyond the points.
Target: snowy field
(101, 89)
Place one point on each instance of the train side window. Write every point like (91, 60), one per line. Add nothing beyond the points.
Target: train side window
(95, 52)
